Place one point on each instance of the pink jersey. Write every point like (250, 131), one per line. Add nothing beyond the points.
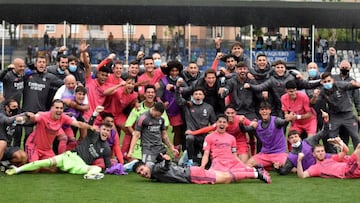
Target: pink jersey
(47, 129)
(117, 102)
(332, 168)
(234, 129)
(158, 74)
(95, 94)
(221, 148)
(300, 106)
(114, 80)
(220, 145)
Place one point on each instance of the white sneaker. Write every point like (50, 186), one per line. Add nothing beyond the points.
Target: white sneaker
(129, 166)
(97, 176)
(183, 159)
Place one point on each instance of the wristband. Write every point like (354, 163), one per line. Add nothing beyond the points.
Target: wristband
(298, 117)
(95, 113)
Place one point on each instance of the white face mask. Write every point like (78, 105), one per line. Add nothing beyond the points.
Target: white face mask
(194, 101)
(297, 144)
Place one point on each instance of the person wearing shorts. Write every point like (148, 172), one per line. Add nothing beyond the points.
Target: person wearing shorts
(270, 131)
(79, 161)
(168, 172)
(296, 106)
(337, 166)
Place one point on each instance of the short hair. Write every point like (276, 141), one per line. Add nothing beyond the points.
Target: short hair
(293, 132)
(158, 106)
(199, 89)
(236, 44)
(209, 71)
(108, 125)
(57, 101)
(193, 62)
(107, 114)
(137, 165)
(118, 62)
(61, 56)
(241, 64)
(260, 55)
(129, 77)
(149, 87)
(291, 84)
(316, 145)
(278, 62)
(230, 106)
(325, 75)
(72, 58)
(134, 62)
(40, 57)
(148, 58)
(81, 88)
(8, 101)
(221, 115)
(265, 105)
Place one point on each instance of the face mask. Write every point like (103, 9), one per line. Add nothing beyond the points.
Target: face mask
(328, 85)
(194, 101)
(13, 112)
(312, 73)
(61, 71)
(297, 144)
(72, 68)
(344, 71)
(157, 63)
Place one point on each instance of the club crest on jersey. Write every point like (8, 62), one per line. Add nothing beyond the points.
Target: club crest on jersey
(205, 113)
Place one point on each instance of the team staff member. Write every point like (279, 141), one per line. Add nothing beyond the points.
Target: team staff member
(340, 107)
(9, 120)
(37, 85)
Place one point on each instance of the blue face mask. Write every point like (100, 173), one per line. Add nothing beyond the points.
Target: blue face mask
(157, 63)
(61, 71)
(194, 101)
(312, 73)
(328, 85)
(72, 68)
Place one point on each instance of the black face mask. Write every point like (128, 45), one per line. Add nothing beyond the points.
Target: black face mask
(344, 71)
(13, 112)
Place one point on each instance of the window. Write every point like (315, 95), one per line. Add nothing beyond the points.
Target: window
(217, 31)
(128, 30)
(74, 28)
(50, 28)
(94, 27)
(28, 27)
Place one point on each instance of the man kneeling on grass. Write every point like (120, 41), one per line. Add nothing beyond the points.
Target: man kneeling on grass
(337, 166)
(169, 172)
(79, 161)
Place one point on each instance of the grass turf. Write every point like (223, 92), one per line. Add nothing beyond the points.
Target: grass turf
(64, 187)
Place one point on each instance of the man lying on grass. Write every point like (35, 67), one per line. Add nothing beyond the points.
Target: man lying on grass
(337, 166)
(169, 172)
(78, 161)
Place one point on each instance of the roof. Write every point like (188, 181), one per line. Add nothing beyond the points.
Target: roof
(170, 12)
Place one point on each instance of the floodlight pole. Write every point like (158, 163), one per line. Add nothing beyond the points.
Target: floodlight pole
(251, 40)
(189, 43)
(312, 42)
(127, 45)
(3, 45)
